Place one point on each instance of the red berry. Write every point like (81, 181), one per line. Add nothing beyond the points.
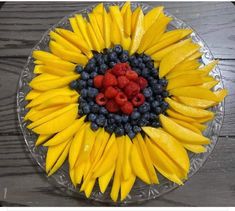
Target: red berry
(132, 89)
(109, 80)
(138, 99)
(131, 75)
(143, 83)
(122, 81)
(98, 81)
(120, 98)
(112, 106)
(127, 108)
(101, 99)
(118, 70)
(110, 92)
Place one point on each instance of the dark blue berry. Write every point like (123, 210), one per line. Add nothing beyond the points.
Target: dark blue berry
(93, 74)
(112, 56)
(144, 108)
(99, 59)
(85, 76)
(157, 110)
(165, 93)
(91, 117)
(147, 92)
(92, 92)
(146, 58)
(103, 68)
(156, 124)
(155, 104)
(145, 72)
(135, 115)
(112, 64)
(109, 128)
(158, 98)
(111, 120)
(119, 131)
(118, 118)
(146, 116)
(131, 134)
(123, 58)
(90, 82)
(95, 109)
(153, 116)
(105, 58)
(81, 84)
(101, 120)
(163, 82)
(137, 70)
(127, 127)
(79, 69)
(125, 118)
(84, 93)
(81, 100)
(141, 66)
(158, 88)
(142, 122)
(86, 109)
(118, 49)
(149, 64)
(103, 110)
(134, 62)
(73, 85)
(94, 126)
(164, 106)
(136, 129)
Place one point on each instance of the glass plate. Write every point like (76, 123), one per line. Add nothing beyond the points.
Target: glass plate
(140, 192)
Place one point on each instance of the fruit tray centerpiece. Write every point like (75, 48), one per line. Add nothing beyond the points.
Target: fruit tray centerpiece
(120, 102)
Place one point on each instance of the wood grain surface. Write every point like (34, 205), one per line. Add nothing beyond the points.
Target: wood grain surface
(23, 183)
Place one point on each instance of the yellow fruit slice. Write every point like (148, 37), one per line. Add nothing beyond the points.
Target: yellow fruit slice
(221, 94)
(138, 32)
(179, 116)
(117, 17)
(151, 17)
(105, 179)
(183, 134)
(53, 83)
(124, 7)
(163, 163)
(53, 153)
(126, 167)
(134, 19)
(175, 57)
(147, 159)
(160, 54)
(95, 43)
(210, 84)
(38, 69)
(74, 26)
(183, 80)
(32, 94)
(60, 160)
(67, 55)
(116, 36)
(127, 18)
(194, 102)
(98, 13)
(195, 92)
(184, 66)
(41, 139)
(58, 123)
(78, 172)
(170, 146)
(55, 71)
(167, 39)
(61, 65)
(44, 56)
(209, 67)
(188, 110)
(107, 31)
(126, 186)
(38, 62)
(140, 169)
(195, 148)
(44, 77)
(89, 188)
(201, 127)
(196, 55)
(66, 133)
(62, 41)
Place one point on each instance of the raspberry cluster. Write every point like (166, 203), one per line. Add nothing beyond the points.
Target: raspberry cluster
(119, 92)
(120, 89)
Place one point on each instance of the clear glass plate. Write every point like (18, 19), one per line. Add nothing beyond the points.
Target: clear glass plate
(140, 192)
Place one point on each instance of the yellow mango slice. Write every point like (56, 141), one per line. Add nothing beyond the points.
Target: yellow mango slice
(107, 31)
(44, 77)
(221, 94)
(203, 120)
(126, 167)
(157, 29)
(140, 169)
(188, 110)
(134, 19)
(163, 163)
(61, 65)
(201, 127)
(37, 69)
(67, 55)
(185, 80)
(52, 83)
(89, 188)
(124, 7)
(195, 92)
(116, 36)
(60, 160)
(41, 139)
(74, 26)
(127, 18)
(94, 41)
(209, 67)
(98, 13)
(183, 134)
(194, 102)
(138, 32)
(97, 144)
(126, 186)
(170, 146)
(72, 176)
(32, 94)
(160, 54)
(57, 124)
(62, 41)
(179, 116)
(151, 17)
(53, 153)
(44, 56)
(55, 71)
(66, 133)
(210, 84)
(175, 57)
(186, 65)
(117, 17)
(105, 179)
(78, 172)
(196, 55)
(38, 62)
(195, 148)
(147, 159)
(126, 43)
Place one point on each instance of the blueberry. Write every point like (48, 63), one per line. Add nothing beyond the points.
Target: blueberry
(145, 72)
(156, 124)
(140, 60)
(165, 93)
(119, 131)
(91, 117)
(81, 84)
(146, 58)
(90, 82)
(99, 59)
(105, 58)
(134, 62)
(137, 70)
(103, 110)
(79, 69)
(101, 120)
(163, 82)
(123, 58)
(149, 64)
(144, 108)
(92, 92)
(84, 93)
(91, 103)
(164, 106)
(136, 129)
(141, 66)
(86, 109)
(131, 134)
(95, 108)
(157, 110)
(118, 118)
(135, 115)
(127, 127)
(112, 64)
(126, 52)
(81, 100)
(73, 84)
(94, 126)
(92, 60)
(80, 111)
(103, 68)
(111, 121)
(93, 74)
(112, 56)
(154, 71)
(151, 99)
(158, 98)
(125, 118)
(147, 92)
(146, 116)
(85, 76)
(132, 57)
(109, 128)
(155, 104)
(142, 122)
(118, 49)
(90, 67)
(158, 88)
(153, 116)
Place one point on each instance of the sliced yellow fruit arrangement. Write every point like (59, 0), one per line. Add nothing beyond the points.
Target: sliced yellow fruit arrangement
(148, 117)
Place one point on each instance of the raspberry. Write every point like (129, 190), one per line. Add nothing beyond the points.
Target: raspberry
(122, 81)
(112, 106)
(120, 98)
(127, 108)
(101, 99)
(138, 99)
(98, 81)
(131, 75)
(132, 89)
(120, 69)
(110, 92)
(143, 83)
(109, 80)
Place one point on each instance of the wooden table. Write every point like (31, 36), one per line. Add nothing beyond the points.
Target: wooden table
(22, 182)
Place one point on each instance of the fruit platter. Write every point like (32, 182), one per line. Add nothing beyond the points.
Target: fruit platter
(120, 102)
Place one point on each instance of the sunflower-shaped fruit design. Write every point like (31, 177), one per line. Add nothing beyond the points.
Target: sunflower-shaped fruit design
(121, 98)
